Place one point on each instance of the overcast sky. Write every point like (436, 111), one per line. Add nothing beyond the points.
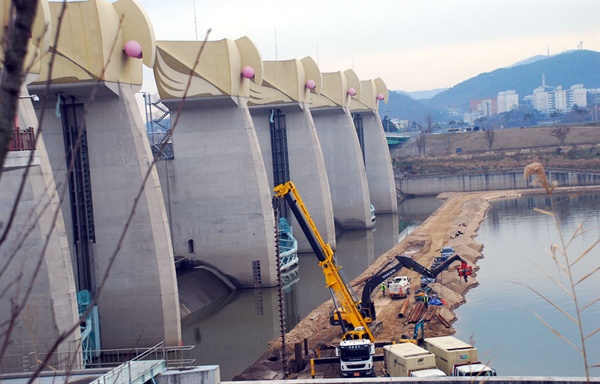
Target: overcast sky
(411, 45)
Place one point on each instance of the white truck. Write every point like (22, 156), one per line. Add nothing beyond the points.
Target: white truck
(356, 358)
(457, 358)
(409, 360)
(399, 287)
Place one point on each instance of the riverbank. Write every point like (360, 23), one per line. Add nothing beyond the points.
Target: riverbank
(456, 224)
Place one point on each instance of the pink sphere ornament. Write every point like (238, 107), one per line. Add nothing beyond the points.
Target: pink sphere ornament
(380, 96)
(310, 84)
(133, 49)
(248, 72)
(352, 91)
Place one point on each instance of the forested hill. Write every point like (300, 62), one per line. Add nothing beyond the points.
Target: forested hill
(565, 69)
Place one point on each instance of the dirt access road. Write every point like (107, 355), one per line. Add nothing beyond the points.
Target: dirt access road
(455, 223)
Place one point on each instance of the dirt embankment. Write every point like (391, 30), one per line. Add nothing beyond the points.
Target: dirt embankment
(514, 139)
(456, 224)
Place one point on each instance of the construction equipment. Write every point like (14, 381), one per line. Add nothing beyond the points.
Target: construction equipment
(356, 351)
(409, 360)
(357, 348)
(457, 358)
(368, 306)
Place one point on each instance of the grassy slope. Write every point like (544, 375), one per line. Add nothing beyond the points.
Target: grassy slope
(512, 148)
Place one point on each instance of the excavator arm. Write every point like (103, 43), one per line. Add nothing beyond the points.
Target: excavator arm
(463, 271)
(368, 307)
(346, 303)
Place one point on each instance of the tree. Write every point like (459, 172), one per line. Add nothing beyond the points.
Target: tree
(414, 126)
(16, 41)
(561, 133)
(480, 120)
(429, 121)
(421, 143)
(579, 112)
(388, 125)
(489, 137)
(18, 288)
(507, 117)
(555, 115)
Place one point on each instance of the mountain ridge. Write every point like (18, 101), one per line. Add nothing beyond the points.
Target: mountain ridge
(565, 69)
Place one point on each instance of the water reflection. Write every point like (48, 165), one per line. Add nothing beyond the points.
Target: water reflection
(236, 335)
(499, 312)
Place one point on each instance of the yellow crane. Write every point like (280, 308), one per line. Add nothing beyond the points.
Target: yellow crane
(357, 346)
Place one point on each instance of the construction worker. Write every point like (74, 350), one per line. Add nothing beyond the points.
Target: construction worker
(383, 288)
(426, 301)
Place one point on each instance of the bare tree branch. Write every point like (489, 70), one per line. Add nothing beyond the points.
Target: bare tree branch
(11, 78)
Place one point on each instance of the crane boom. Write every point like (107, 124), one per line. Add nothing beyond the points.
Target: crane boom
(345, 301)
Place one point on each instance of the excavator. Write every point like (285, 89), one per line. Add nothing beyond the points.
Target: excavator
(367, 305)
(356, 349)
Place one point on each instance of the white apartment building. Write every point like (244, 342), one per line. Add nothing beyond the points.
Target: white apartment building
(579, 96)
(547, 99)
(507, 100)
(561, 99)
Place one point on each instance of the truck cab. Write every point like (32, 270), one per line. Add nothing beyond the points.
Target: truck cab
(356, 358)
(474, 370)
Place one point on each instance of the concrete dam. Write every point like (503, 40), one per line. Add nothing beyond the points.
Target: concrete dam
(104, 215)
(96, 218)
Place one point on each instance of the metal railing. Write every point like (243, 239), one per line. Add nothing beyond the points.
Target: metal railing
(134, 369)
(22, 140)
(175, 358)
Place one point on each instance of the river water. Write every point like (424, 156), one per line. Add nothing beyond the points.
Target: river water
(497, 315)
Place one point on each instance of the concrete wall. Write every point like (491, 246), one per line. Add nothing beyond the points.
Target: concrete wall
(307, 168)
(433, 185)
(345, 167)
(452, 380)
(36, 239)
(207, 374)
(378, 163)
(217, 191)
(142, 283)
